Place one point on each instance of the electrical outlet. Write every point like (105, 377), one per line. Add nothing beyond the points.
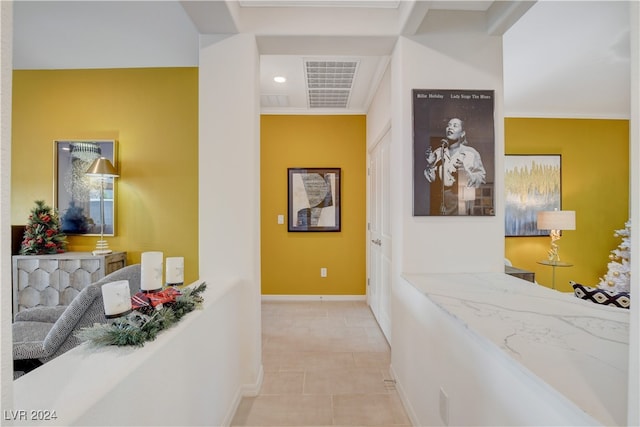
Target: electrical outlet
(323, 272)
(280, 219)
(444, 407)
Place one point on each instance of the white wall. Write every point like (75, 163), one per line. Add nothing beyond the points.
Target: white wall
(379, 113)
(440, 60)
(191, 375)
(444, 244)
(6, 355)
(438, 351)
(229, 170)
(470, 61)
(634, 340)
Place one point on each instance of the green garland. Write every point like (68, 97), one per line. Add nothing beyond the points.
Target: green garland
(137, 328)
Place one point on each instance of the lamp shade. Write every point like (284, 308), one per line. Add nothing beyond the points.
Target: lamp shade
(102, 167)
(557, 220)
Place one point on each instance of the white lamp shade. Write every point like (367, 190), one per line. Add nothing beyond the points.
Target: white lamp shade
(556, 220)
(116, 297)
(151, 271)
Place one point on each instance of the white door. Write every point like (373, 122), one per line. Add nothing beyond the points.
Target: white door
(379, 284)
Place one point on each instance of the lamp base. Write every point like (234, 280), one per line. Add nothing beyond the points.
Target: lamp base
(553, 255)
(102, 252)
(102, 248)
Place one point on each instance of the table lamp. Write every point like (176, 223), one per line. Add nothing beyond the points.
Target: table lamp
(555, 221)
(102, 169)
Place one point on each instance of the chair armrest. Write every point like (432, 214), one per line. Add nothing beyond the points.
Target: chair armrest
(27, 350)
(40, 314)
(81, 306)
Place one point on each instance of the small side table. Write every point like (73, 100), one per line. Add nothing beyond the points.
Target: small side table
(553, 265)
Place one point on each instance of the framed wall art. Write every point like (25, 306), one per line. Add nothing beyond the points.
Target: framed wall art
(76, 195)
(532, 184)
(453, 152)
(314, 199)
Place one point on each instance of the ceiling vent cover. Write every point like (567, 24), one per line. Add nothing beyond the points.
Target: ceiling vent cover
(329, 83)
(274, 101)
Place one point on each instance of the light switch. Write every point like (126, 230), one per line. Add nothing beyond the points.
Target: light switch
(280, 219)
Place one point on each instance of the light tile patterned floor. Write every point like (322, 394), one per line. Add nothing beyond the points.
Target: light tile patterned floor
(326, 363)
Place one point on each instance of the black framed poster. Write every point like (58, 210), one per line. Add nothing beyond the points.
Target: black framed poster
(314, 199)
(453, 152)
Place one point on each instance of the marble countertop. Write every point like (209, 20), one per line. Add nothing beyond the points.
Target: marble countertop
(577, 347)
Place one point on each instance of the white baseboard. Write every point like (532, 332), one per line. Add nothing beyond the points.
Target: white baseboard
(314, 297)
(403, 398)
(251, 390)
(245, 390)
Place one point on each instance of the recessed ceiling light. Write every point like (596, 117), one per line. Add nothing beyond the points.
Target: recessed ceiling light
(279, 79)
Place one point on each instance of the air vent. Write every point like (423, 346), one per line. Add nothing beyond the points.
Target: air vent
(329, 83)
(274, 100)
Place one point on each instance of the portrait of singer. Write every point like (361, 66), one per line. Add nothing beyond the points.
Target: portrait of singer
(454, 168)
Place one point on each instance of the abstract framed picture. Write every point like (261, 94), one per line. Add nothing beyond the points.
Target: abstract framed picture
(77, 195)
(532, 183)
(453, 152)
(314, 199)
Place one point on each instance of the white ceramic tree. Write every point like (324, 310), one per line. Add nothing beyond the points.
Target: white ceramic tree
(618, 275)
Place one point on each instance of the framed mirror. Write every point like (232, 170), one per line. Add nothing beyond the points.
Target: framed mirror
(76, 195)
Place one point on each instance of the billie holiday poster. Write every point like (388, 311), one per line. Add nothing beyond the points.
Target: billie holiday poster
(453, 152)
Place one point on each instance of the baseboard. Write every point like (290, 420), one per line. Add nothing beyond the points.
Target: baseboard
(245, 390)
(251, 390)
(403, 398)
(273, 297)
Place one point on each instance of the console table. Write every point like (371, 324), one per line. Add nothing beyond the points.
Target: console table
(50, 280)
(520, 273)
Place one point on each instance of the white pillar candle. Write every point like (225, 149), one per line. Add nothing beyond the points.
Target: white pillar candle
(175, 270)
(151, 271)
(116, 298)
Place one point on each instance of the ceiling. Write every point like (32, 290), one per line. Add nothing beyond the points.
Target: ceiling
(561, 59)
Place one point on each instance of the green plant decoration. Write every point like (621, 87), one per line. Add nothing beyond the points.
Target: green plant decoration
(136, 328)
(43, 234)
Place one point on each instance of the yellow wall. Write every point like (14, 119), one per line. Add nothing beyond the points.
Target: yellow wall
(291, 262)
(595, 183)
(153, 114)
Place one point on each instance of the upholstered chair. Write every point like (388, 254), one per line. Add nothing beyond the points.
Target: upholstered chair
(43, 333)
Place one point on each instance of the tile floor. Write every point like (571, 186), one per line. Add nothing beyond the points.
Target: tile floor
(326, 363)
